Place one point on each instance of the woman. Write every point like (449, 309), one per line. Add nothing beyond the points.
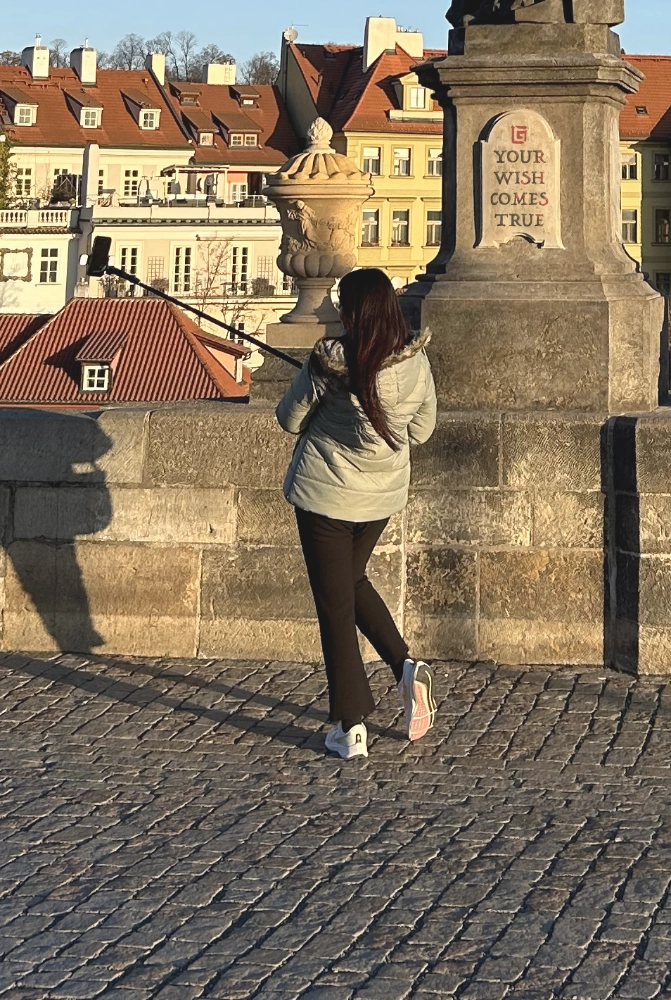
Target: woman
(358, 403)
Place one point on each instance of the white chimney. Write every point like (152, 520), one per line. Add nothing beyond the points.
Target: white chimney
(380, 37)
(36, 59)
(220, 74)
(155, 63)
(84, 61)
(383, 35)
(411, 41)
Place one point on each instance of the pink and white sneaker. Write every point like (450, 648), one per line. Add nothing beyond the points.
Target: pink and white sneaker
(416, 690)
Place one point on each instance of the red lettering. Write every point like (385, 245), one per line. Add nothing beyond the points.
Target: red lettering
(526, 177)
(540, 156)
(544, 200)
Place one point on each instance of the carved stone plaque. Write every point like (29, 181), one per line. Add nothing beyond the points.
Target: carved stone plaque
(520, 175)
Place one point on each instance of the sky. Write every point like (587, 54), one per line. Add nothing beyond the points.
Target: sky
(245, 28)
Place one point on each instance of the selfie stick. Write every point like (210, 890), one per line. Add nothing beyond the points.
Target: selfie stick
(98, 265)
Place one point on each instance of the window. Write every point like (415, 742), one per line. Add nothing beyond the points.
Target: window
(251, 139)
(155, 268)
(131, 183)
(630, 167)
(402, 162)
(434, 228)
(241, 328)
(206, 139)
(418, 98)
(101, 182)
(663, 225)
(236, 140)
(67, 186)
(663, 282)
(400, 228)
(239, 193)
(128, 259)
(240, 270)
(641, 109)
(23, 116)
(661, 166)
(629, 226)
(182, 270)
(435, 163)
(371, 228)
(372, 160)
(149, 119)
(24, 181)
(89, 118)
(49, 266)
(96, 378)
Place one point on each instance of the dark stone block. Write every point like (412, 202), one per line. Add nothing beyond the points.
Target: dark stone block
(463, 452)
(441, 581)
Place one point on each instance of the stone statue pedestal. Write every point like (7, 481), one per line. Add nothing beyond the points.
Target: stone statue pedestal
(533, 301)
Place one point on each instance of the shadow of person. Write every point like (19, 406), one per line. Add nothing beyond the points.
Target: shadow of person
(50, 460)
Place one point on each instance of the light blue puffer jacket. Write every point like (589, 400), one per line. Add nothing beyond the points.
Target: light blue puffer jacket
(341, 468)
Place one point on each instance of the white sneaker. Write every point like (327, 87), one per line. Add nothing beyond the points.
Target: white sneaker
(351, 744)
(416, 690)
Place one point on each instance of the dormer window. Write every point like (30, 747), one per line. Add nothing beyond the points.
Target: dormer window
(206, 139)
(417, 98)
(149, 119)
(96, 378)
(251, 140)
(90, 118)
(237, 140)
(24, 114)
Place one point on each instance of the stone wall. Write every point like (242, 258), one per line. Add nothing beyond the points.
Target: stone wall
(164, 532)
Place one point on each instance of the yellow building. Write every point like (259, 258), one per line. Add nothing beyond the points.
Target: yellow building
(645, 130)
(388, 124)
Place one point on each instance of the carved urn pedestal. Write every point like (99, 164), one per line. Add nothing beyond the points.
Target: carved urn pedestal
(319, 194)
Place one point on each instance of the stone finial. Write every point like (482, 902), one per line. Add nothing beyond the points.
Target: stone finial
(319, 137)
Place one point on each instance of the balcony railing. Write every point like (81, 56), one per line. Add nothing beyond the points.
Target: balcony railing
(33, 218)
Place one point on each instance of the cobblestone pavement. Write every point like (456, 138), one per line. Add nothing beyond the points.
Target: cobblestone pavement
(174, 830)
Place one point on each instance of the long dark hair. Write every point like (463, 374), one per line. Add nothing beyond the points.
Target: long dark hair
(374, 329)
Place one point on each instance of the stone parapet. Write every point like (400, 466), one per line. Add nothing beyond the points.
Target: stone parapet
(164, 532)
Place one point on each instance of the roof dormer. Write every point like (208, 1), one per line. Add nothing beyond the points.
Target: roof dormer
(98, 358)
(22, 108)
(144, 110)
(87, 109)
(415, 102)
(187, 95)
(247, 97)
(201, 127)
(238, 129)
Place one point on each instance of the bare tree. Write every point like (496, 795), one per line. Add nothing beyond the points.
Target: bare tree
(213, 54)
(10, 58)
(58, 52)
(261, 68)
(187, 49)
(164, 43)
(213, 287)
(104, 60)
(129, 53)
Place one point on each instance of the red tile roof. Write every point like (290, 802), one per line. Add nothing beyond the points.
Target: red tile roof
(352, 100)
(164, 358)
(277, 139)
(58, 120)
(15, 329)
(654, 96)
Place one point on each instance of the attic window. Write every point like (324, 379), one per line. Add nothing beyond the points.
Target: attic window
(251, 140)
(90, 118)
(149, 119)
(237, 140)
(249, 101)
(641, 109)
(24, 114)
(328, 54)
(96, 378)
(188, 100)
(206, 139)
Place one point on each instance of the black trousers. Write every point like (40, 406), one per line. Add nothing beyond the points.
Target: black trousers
(336, 555)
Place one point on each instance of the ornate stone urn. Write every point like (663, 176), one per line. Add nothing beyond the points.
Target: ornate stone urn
(319, 194)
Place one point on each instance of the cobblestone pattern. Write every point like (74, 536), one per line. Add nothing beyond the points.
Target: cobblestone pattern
(174, 830)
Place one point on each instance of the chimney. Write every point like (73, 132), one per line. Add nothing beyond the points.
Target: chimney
(380, 37)
(220, 74)
(84, 61)
(411, 41)
(155, 63)
(36, 59)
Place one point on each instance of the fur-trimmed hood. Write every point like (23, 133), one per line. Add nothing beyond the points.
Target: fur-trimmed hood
(329, 354)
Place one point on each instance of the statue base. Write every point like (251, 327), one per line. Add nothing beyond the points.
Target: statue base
(300, 335)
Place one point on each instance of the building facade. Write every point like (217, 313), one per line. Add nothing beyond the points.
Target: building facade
(173, 173)
(388, 124)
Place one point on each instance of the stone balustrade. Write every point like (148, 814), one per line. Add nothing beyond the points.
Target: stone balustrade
(164, 532)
